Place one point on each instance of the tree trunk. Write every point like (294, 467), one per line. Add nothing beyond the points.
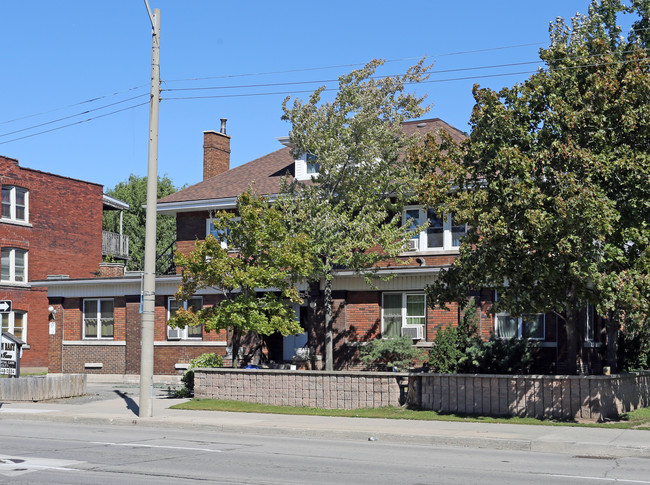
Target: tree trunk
(329, 343)
(571, 331)
(612, 345)
(572, 342)
(236, 344)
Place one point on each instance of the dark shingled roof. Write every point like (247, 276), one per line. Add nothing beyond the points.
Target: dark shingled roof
(265, 173)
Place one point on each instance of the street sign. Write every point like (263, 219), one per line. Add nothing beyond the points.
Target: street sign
(5, 306)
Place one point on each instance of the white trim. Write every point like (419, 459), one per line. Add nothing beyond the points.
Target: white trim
(95, 342)
(181, 333)
(16, 223)
(422, 236)
(99, 336)
(12, 265)
(13, 189)
(172, 208)
(189, 343)
(403, 316)
(11, 324)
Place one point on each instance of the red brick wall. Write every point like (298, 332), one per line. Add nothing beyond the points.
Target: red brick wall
(166, 357)
(111, 356)
(64, 236)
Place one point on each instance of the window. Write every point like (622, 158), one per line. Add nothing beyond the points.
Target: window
(13, 265)
(15, 322)
(15, 206)
(530, 326)
(441, 233)
(403, 314)
(196, 303)
(98, 319)
(219, 234)
(312, 165)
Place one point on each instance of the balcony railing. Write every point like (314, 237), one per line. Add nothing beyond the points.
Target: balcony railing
(116, 245)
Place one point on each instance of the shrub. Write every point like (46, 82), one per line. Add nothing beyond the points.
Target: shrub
(502, 356)
(209, 360)
(449, 352)
(396, 352)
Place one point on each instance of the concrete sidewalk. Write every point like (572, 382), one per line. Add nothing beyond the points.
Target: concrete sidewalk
(117, 404)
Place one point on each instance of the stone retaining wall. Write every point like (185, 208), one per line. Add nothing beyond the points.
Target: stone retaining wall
(593, 398)
(40, 388)
(320, 389)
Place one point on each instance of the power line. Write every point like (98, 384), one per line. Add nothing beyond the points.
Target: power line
(338, 66)
(71, 116)
(429, 81)
(75, 123)
(92, 100)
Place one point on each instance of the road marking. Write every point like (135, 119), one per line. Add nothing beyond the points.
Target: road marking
(141, 445)
(12, 466)
(617, 480)
(6, 409)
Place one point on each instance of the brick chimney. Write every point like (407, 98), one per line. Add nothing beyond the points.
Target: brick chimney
(216, 152)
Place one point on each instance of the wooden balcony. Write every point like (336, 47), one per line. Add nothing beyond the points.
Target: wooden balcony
(115, 245)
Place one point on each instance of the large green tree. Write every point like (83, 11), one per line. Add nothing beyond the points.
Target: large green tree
(554, 180)
(256, 250)
(351, 209)
(134, 192)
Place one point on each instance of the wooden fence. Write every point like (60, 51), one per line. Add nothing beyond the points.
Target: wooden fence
(41, 388)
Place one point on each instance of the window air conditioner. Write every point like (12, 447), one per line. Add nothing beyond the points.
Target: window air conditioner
(174, 333)
(416, 332)
(413, 244)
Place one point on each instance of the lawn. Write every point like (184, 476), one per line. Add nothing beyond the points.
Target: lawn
(639, 419)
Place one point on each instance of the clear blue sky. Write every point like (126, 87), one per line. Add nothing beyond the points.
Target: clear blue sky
(56, 54)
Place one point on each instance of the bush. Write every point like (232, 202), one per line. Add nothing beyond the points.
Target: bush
(502, 356)
(449, 352)
(396, 352)
(209, 360)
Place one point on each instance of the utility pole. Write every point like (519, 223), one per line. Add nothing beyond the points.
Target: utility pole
(145, 409)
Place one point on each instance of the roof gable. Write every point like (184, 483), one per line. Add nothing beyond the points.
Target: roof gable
(265, 174)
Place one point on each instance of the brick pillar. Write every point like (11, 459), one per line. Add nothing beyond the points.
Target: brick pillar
(55, 341)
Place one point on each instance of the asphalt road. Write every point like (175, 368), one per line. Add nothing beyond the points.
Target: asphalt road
(59, 453)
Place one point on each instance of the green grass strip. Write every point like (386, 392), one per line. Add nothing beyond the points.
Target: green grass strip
(639, 419)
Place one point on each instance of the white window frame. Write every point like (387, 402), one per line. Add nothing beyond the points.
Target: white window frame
(13, 190)
(210, 230)
(419, 241)
(404, 316)
(182, 333)
(8, 323)
(520, 325)
(302, 167)
(14, 278)
(98, 317)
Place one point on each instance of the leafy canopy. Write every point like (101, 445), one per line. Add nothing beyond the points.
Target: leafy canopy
(554, 179)
(134, 192)
(354, 203)
(258, 253)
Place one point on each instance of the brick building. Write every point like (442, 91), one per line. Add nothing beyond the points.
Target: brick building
(50, 225)
(393, 307)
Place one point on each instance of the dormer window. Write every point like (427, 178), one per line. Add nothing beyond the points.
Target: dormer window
(15, 204)
(307, 167)
(312, 165)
